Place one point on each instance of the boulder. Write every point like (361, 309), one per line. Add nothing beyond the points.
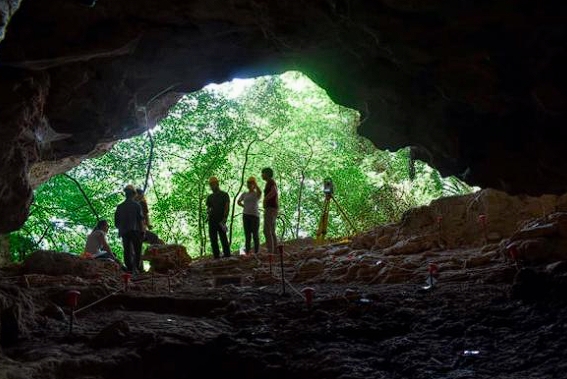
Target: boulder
(114, 334)
(536, 231)
(163, 258)
(54, 263)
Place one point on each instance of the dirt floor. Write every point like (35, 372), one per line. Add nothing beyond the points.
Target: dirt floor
(493, 313)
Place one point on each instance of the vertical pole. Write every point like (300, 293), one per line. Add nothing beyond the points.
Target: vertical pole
(126, 278)
(169, 281)
(308, 293)
(280, 249)
(72, 301)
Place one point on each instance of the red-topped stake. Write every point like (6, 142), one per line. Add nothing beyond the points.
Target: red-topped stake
(433, 269)
(439, 220)
(72, 302)
(73, 299)
(513, 252)
(126, 279)
(308, 292)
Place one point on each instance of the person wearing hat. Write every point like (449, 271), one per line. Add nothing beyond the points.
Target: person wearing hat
(218, 204)
(129, 220)
(250, 214)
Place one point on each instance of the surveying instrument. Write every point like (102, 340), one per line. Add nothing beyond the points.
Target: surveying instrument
(328, 189)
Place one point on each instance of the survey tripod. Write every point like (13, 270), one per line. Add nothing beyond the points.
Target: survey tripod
(324, 222)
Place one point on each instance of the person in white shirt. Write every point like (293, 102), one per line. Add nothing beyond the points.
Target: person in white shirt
(251, 215)
(96, 244)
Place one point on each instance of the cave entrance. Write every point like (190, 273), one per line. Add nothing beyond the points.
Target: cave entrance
(233, 130)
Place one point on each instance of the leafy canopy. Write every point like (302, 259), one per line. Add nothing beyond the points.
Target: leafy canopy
(232, 131)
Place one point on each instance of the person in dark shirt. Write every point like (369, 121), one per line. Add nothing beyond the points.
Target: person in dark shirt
(218, 204)
(129, 220)
(271, 206)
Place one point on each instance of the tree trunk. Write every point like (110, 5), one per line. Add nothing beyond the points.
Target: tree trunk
(300, 195)
(150, 160)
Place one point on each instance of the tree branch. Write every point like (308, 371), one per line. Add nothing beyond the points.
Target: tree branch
(95, 213)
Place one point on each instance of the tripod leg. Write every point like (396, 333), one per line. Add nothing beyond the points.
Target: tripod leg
(344, 215)
(323, 223)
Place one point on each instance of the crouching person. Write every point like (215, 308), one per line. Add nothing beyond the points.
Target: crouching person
(97, 247)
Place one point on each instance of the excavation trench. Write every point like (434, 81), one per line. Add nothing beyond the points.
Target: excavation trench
(491, 313)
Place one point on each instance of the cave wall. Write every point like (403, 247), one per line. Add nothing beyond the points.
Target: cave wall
(476, 87)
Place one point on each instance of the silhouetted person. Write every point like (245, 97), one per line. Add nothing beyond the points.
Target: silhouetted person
(129, 220)
(218, 204)
(271, 206)
(250, 214)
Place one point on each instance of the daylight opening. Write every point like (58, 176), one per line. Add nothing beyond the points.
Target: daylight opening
(232, 131)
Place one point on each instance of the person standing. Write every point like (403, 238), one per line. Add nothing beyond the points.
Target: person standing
(250, 214)
(218, 204)
(129, 220)
(270, 209)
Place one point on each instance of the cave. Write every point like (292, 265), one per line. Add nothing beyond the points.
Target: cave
(475, 88)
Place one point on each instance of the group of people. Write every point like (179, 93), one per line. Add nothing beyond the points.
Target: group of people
(218, 206)
(132, 221)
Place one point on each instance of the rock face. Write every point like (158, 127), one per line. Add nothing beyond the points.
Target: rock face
(163, 258)
(55, 263)
(478, 89)
(463, 235)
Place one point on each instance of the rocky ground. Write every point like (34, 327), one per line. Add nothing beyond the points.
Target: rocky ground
(497, 310)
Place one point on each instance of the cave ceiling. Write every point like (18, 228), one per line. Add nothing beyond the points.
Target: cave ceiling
(477, 87)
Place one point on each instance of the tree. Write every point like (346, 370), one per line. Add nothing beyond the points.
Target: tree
(232, 131)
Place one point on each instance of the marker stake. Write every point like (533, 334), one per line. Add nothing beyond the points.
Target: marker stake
(308, 292)
(72, 302)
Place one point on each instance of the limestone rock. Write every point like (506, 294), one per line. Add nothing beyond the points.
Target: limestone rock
(163, 258)
(58, 264)
(54, 311)
(540, 241)
(562, 203)
(545, 230)
(114, 334)
(309, 269)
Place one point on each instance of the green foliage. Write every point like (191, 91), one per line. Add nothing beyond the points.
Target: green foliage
(232, 131)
